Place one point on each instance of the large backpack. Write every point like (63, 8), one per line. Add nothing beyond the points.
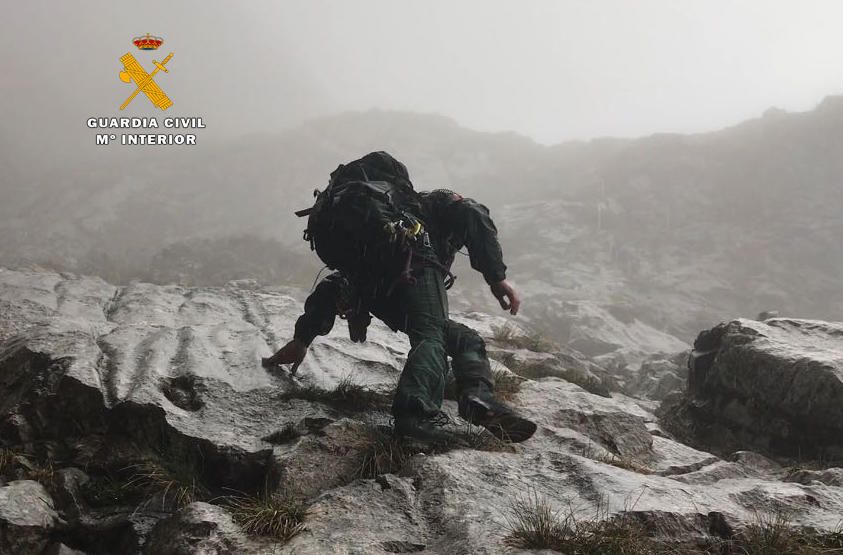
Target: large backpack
(352, 224)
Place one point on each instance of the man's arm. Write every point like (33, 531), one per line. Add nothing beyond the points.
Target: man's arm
(471, 223)
(320, 312)
(473, 226)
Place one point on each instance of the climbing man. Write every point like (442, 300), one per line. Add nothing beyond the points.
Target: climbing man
(393, 248)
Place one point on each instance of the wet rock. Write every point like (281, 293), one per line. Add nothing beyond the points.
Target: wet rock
(616, 425)
(566, 364)
(622, 434)
(659, 376)
(184, 392)
(198, 529)
(324, 460)
(757, 462)
(27, 517)
(775, 386)
(110, 379)
(69, 484)
(829, 476)
(364, 517)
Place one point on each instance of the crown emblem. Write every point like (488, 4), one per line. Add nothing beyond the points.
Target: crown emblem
(148, 42)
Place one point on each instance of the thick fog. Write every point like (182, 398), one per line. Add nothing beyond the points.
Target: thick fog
(551, 70)
(678, 230)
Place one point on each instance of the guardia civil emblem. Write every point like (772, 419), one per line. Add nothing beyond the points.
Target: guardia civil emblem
(144, 82)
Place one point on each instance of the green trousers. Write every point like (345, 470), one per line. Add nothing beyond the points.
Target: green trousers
(421, 311)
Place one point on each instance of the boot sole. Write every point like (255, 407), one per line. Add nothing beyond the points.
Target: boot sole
(510, 427)
(506, 426)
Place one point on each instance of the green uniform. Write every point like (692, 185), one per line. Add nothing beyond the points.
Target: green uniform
(421, 309)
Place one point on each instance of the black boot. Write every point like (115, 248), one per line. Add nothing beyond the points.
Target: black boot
(499, 419)
(427, 428)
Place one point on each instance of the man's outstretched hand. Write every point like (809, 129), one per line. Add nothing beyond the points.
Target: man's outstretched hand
(506, 295)
(291, 353)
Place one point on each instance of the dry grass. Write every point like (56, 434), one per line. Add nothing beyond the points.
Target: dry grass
(509, 336)
(175, 483)
(507, 384)
(384, 455)
(43, 473)
(7, 459)
(286, 434)
(504, 334)
(277, 515)
(774, 532)
(347, 395)
(771, 533)
(20, 465)
(534, 524)
(106, 490)
(480, 439)
(538, 370)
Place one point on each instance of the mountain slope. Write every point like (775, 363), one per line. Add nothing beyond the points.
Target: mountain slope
(676, 231)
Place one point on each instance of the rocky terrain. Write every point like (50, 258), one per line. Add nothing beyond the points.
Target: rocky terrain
(137, 419)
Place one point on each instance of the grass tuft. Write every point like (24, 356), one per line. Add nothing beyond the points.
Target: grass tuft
(19, 465)
(347, 395)
(175, 482)
(538, 370)
(480, 439)
(774, 532)
(385, 454)
(7, 460)
(277, 515)
(286, 434)
(107, 490)
(43, 473)
(507, 384)
(508, 335)
(534, 524)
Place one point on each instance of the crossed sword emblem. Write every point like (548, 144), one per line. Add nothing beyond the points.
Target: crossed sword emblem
(144, 81)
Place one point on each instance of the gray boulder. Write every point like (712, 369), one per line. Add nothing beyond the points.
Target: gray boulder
(198, 529)
(776, 386)
(660, 376)
(27, 517)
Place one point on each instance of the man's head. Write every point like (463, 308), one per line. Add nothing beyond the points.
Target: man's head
(375, 166)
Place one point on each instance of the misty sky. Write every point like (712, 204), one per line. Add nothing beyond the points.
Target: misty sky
(552, 70)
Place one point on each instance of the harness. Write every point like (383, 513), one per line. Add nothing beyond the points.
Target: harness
(410, 233)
